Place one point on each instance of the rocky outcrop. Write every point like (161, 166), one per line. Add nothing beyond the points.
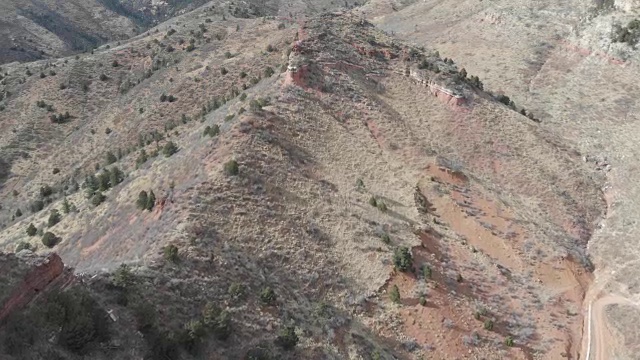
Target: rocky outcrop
(296, 76)
(627, 5)
(375, 53)
(445, 95)
(297, 66)
(43, 272)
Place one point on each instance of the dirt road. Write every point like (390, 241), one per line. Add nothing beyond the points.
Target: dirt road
(599, 341)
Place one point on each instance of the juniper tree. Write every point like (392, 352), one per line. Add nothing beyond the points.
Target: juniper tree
(31, 230)
(66, 207)
(54, 218)
(509, 341)
(142, 158)
(231, 168)
(36, 206)
(268, 296)
(394, 294)
(171, 253)
(215, 130)
(373, 202)
(110, 158)
(426, 271)
(287, 339)
(104, 181)
(46, 191)
(141, 203)
(90, 185)
(402, 259)
(49, 239)
(217, 320)
(115, 176)
(123, 277)
(169, 149)
(255, 106)
(97, 199)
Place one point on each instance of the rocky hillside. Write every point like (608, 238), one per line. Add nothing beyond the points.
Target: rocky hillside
(43, 29)
(574, 65)
(284, 187)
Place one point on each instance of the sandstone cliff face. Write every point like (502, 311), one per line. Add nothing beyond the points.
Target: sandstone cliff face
(42, 272)
(443, 94)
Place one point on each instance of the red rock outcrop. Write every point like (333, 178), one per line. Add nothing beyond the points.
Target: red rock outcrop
(446, 97)
(296, 76)
(375, 53)
(443, 94)
(35, 281)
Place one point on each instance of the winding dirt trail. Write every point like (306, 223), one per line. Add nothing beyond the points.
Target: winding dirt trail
(599, 340)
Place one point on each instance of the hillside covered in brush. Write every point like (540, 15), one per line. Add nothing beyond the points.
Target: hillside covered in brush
(285, 188)
(44, 29)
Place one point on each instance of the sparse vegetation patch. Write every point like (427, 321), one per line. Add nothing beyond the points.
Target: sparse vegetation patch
(629, 34)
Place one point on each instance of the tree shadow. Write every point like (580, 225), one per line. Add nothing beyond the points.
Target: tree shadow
(5, 166)
(400, 217)
(389, 201)
(416, 302)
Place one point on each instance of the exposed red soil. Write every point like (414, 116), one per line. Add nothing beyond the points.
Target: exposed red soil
(447, 320)
(587, 52)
